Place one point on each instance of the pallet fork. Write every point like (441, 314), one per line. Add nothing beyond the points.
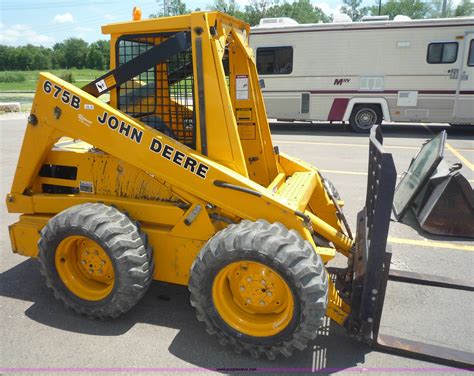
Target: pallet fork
(372, 272)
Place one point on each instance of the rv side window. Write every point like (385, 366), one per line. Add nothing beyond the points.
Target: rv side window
(442, 53)
(275, 60)
(470, 59)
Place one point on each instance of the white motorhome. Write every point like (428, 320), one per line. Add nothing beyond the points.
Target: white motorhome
(363, 72)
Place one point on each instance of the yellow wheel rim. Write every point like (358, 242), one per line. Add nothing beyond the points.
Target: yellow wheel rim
(253, 299)
(85, 268)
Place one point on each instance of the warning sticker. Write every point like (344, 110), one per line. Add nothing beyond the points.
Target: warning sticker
(242, 87)
(101, 86)
(110, 80)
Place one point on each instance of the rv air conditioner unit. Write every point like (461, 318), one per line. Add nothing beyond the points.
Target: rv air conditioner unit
(375, 18)
(277, 21)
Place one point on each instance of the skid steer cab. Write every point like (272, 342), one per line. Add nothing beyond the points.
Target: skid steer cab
(164, 169)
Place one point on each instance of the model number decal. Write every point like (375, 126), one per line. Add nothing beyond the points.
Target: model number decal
(59, 92)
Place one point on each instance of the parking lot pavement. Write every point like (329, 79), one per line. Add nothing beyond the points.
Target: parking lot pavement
(161, 333)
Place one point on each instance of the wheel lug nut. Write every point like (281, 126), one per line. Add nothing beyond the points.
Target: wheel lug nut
(249, 301)
(242, 288)
(264, 282)
(249, 279)
(83, 261)
(262, 302)
(269, 293)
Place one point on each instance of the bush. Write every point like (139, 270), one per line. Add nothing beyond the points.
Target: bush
(12, 77)
(68, 76)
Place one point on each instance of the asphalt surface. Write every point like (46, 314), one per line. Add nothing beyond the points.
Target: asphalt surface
(161, 332)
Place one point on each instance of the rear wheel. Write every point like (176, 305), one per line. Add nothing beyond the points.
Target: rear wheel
(260, 288)
(364, 117)
(96, 260)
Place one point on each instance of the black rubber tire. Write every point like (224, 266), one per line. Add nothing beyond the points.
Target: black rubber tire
(284, 251)
(122, 240)
(358, 109)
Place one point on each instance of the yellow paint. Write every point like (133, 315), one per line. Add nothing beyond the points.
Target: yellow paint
(253, 299)
(468, 164)
(84, 268)
(432, 244)
(337, 310)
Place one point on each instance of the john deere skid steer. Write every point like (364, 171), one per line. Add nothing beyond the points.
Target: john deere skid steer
(174, 178)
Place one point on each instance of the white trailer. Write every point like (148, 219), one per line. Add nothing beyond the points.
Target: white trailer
(366, 72)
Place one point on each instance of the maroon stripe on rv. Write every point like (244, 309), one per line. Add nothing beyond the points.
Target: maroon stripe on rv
(256, 32)
(338, 108)
(464, 92)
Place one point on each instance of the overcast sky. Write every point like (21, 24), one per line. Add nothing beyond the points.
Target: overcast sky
(45, 22)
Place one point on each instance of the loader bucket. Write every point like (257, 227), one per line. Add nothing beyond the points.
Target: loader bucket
(447, 205)
(441, 199)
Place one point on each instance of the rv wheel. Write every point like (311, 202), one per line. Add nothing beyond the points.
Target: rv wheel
(364, 117)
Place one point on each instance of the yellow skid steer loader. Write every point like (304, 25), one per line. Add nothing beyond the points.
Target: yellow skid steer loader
(175, 178)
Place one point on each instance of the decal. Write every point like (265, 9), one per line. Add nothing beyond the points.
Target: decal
(110, 80)
(59, 92)
(121, 127)
(340, 81)
(156, 146)
(101, 86)
(84, 120)
(86, 187)
(242, 87)
(179, 158)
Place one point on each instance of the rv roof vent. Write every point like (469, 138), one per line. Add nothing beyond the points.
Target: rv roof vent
(375, 18)
(277, 21)
(401, 17)
(341, 18)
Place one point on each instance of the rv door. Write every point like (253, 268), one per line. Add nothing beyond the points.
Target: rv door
(464, 106)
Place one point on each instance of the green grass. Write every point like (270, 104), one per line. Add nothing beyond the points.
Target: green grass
(81, 76)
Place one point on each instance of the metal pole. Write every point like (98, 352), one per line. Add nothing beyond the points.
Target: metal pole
(380, 6)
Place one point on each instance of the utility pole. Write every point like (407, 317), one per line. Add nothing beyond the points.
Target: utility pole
(380, 6)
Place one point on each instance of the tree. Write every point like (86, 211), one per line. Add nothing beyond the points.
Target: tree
(170, 8)
(103, 47)
(415, 9)
(437, 9)
(256, 10)
(95, 59)
(465, 8)
(75, 53)
(354, 9)
(229, 7)
(301, 11)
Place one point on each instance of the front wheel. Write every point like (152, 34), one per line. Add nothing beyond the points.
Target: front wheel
(260, 288)
(364, 117)
(96, 260)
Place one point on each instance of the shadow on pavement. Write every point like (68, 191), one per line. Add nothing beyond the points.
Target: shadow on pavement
(461, 132)
(168, 306)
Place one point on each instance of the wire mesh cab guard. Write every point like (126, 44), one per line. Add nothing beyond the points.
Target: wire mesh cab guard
(372, 271)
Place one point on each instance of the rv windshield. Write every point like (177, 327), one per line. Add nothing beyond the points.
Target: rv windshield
(421, 168)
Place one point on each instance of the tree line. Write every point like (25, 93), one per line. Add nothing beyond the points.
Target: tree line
(77, 53)
(71, 53)
(304, 12)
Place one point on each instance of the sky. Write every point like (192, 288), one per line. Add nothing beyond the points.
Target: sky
(45, 22)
